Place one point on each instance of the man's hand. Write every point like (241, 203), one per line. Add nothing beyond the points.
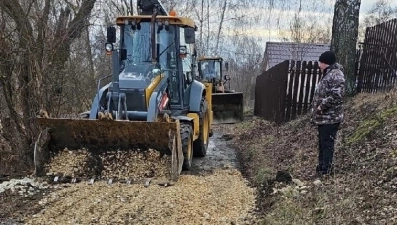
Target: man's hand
(319, 108)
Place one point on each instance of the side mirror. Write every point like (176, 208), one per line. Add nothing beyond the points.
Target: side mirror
(226, 66)
(227, 77)
(189, 77)
(190, 36)
(111, 34)
(123, 54)
(199, 71)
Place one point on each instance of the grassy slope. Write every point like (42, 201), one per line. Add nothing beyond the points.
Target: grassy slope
(364, 188)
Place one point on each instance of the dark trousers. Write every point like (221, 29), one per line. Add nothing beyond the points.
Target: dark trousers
(326, 146)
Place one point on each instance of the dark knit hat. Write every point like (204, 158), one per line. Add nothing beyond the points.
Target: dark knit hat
(328, 57)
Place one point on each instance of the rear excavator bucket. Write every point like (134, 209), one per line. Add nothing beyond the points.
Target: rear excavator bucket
(108, 149)
(227, 108)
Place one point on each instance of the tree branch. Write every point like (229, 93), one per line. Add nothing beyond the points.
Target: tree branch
(14, 10)
(41, 30)
(76, 25)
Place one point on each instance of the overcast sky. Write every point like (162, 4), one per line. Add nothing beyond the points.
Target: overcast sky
(326, 14)
(269, 23)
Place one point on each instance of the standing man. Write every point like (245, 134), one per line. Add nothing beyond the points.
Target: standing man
(327, 109)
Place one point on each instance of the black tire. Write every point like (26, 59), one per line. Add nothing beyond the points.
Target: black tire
(187, 145)
(200, 146)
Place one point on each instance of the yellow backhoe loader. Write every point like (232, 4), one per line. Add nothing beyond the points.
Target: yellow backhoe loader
(152, 104)
(227, 105)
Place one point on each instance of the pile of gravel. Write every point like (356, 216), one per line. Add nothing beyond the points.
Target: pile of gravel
(222, 197)
(132, 164)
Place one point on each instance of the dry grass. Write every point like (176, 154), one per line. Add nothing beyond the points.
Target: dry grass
(365, 184)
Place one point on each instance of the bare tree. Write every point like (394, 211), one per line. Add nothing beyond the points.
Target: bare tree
(308, 24)
(244, 65)
(381, 11)
(36, 43)
(221, 20)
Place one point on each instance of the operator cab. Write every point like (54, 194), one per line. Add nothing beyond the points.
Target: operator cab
(151, 48)
(211, 69)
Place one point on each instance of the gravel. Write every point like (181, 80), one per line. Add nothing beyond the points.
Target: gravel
(133, 165)
(25, 186)
(221, 197)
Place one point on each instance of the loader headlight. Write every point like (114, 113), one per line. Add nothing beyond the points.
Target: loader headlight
(182, 50)
(156, 72)
(109, 47)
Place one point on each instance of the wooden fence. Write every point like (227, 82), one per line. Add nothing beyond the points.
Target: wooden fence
(286, 90)
(270, 92)
(378, 62)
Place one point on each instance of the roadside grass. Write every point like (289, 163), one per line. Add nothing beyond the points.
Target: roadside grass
(364, 185)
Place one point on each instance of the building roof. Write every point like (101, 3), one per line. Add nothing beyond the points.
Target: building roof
(277, 52)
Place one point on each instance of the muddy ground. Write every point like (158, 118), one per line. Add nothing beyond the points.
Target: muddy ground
(219, 155)
(212, 192)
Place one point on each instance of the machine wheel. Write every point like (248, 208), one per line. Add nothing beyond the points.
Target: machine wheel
(201, 144)
(187, 145)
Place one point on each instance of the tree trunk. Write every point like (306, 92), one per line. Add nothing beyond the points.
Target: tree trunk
(208, 28)
(201, 28)
(90, 59)
(218, 36)
(344, 38)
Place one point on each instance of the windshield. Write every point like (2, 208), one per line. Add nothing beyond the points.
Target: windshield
(138, 45)
(211, 69)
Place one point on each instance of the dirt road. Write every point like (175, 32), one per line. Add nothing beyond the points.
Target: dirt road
(213, 192)
(219, 155)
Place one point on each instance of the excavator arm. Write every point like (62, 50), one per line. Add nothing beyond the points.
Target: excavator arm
(147, 7)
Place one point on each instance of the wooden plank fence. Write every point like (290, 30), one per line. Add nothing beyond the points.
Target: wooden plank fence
(286, 90)
(378, 64)
(270, 93)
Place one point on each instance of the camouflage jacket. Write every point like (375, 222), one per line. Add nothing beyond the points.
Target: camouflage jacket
(329, 95)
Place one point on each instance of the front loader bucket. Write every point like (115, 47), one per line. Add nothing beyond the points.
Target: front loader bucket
(108, 149)
(227, 108)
